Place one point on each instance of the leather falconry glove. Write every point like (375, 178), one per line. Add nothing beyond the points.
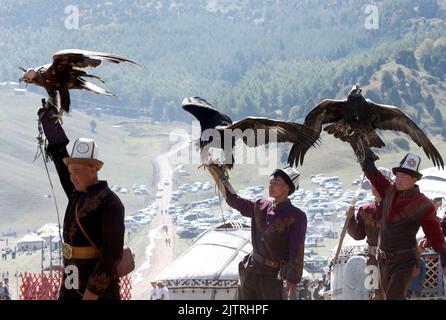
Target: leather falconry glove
(361, 150)
(53, 130)
(220, 174)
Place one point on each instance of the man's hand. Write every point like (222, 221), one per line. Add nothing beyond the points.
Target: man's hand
(361, 150)
(88, 295)
(423, 244)
(221, 178)
(292, 290)
(53, 130)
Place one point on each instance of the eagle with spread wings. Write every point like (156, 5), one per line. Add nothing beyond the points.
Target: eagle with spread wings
(217, 128)
(66, 73)
(360, 117)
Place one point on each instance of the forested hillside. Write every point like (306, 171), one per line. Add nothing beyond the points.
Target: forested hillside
(270, 57)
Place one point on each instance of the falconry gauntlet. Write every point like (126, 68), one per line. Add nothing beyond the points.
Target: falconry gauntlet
(53, 130)
(361, 150)
(221, 178)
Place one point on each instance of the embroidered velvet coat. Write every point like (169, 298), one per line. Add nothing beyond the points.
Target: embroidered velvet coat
(101, 214)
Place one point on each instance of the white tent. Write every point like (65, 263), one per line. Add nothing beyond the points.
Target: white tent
(31, 242)
(48, 229)
(208, 270)
(50, 233)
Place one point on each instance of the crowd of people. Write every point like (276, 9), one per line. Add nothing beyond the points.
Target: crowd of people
(159, 291)
(314, 290)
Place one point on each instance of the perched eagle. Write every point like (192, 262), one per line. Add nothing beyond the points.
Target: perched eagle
(360, 117)
(216, 124)
(66, 73)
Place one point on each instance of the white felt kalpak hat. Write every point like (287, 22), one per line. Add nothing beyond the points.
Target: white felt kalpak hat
(85, 151)
(409, 165)
(291, 177)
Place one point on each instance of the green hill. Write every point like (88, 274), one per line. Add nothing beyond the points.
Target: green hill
(248, 57)
(126, 146)
(260, 58)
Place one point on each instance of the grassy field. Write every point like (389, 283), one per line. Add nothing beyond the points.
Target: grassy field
(127, 146)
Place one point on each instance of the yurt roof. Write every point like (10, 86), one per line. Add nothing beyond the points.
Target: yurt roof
(30, 237)
(214, 255)
(49, 229)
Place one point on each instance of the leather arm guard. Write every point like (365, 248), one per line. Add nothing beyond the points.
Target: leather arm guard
(221, 178)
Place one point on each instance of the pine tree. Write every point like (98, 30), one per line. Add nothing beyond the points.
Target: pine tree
(394, 97)
(430, 103)
(386, 82)
(438, 118)
(400, 74)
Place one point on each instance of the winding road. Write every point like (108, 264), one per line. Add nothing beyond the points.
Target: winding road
(158, 254)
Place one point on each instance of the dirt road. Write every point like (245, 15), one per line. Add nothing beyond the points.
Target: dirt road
(159, 251)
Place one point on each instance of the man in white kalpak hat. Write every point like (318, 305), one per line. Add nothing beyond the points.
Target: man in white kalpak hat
(93, 230)
(278, 237)
(404, 210)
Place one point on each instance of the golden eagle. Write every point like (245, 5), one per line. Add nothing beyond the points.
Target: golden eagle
(359, 117)
(220, 126)
(65, 73)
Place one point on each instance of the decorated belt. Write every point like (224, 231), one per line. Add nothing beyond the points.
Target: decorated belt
(70, 252)
(387, 254)
(267, 262)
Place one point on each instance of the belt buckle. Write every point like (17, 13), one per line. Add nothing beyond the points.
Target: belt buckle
(67, 251)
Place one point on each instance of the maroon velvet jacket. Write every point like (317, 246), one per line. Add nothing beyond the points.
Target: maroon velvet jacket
(366, 224)
(278, 233)
(403, 214)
